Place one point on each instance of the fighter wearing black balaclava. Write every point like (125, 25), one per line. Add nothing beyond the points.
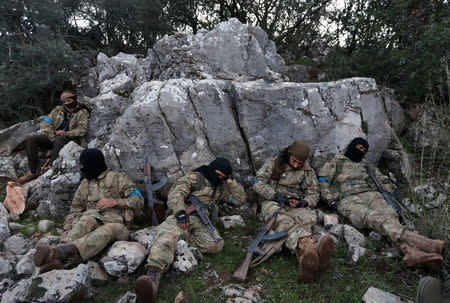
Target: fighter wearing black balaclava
(353, 153)
(92, 163)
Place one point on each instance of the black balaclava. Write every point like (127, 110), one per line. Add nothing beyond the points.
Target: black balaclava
(208, 171)
(353, 153)
(92, 163)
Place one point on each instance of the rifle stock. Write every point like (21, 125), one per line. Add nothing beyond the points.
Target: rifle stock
(241, 272)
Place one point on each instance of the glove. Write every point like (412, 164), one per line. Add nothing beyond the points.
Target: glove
(334, 204)
(302, 203)
(280, 198)
(182, 217)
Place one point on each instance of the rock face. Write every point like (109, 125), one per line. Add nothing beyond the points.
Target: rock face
(53, 191)
(54, 286)
(217, 93)
(14, 136)
(220, 93)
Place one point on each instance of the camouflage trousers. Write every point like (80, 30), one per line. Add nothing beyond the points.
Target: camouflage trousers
(91, 236)
(165, 244)
(300, 220)
(370, 210)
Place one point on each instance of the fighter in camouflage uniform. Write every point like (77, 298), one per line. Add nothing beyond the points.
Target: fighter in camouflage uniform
(290, 175)
(65, 123)
(211, 184)
(102, 204)
(345, 183)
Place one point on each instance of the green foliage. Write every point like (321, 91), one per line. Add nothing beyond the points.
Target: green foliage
(402, 44)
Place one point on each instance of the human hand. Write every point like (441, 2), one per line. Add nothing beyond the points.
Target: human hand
(106, 203)
(64, 234)
(280, 198)
(333, 204)
(182, 219)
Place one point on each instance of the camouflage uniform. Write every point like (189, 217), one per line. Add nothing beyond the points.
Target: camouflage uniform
(91, 229)
(165, 244)
(78, 125)
(359, 200)
(300, 183)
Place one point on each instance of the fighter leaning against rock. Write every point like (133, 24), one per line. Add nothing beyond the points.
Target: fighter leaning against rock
(346, 185)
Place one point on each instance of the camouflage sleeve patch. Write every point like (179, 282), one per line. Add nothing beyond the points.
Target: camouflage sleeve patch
(132, 198)
(81, 125)
(179, 192)
(262, 186)
(47, 124)
(326, 175)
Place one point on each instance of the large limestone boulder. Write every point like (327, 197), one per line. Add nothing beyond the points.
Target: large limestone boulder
(12, 138)
(52, 287)
(229, 51)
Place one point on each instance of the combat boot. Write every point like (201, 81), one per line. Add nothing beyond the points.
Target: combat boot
(27, 178)
(308, 260)
(423, 243)
(324, 250)
(48, 258)
(146, 287)
(415, 257)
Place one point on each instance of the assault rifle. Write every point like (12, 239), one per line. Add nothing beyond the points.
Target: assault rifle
(197, 205)
(149, 188)
(285, 201)
(241, 272)
(387, 196)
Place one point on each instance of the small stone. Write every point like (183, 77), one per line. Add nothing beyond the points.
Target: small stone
(97, 274)
(330, 220)
(347, 288)
(375, 295)
(436, 202)
(263, 271)
(182, 247)
(182, 297)
(5, 268)
(185, 262)
(355, 252)
(145, 236)
(45, 225)
(353, 236)
(373, 235)
(232, 221)
(17, 244)
(123, 258)
(25, 266)
(129, 297)
(15, 227)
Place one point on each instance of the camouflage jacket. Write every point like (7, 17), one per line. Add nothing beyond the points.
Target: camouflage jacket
(340, 177)
(78, 125)
(300, 183)
(109, 184)
(195, 183)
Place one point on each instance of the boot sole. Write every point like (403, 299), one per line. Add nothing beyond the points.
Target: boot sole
(41, 254)
(52, 265)
(432, 261)
(144, 289)
(325, 250)
(309, 264)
